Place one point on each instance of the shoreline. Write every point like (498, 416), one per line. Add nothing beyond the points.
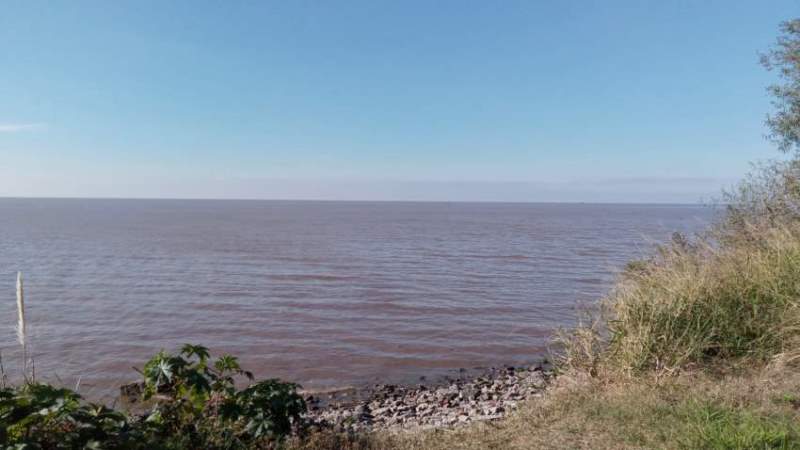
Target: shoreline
(489, 394)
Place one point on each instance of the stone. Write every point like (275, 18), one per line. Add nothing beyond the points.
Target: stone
(486, 397)
(132, 392)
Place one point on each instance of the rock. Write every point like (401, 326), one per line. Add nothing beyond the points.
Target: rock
(131, 392)
(486, 397)
(381, 411)
(496, 410)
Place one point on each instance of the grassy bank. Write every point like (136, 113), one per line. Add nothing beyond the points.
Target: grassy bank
(732, 302)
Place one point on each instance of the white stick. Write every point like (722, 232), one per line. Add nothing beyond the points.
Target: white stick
(21, 322)
(20, 310)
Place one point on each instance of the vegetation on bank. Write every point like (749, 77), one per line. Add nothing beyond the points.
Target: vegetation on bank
(194, 403)
(695, 347)
(700, 304)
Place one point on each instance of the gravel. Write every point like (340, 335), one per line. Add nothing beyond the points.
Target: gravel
(489, 396)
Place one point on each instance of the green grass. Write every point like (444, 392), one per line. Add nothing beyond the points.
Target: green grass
(716, 427)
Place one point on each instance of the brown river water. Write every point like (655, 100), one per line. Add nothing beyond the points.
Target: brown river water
(328, 294)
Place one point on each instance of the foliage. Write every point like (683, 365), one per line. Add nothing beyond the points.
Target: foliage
(695, 305)
(188, 376)
(195, 404)
(784, 123)
(197, 401)
(768, 197)
(41, 416)
(267, 408)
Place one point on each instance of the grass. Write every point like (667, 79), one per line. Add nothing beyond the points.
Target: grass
(716, 427)
(692, 305)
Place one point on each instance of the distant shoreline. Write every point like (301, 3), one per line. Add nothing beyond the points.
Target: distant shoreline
(285, 200)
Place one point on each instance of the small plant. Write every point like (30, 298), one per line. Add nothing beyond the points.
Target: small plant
(197, 401)
(188, 375)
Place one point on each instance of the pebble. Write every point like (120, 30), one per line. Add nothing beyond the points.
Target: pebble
(487, 397)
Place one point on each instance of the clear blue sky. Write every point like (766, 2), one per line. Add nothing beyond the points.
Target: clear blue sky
(637, 101)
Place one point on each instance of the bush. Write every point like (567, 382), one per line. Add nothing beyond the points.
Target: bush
(195, 404)
(736, 301)
(730, 296)
(693, 305)
(768, 197)
(42, 416)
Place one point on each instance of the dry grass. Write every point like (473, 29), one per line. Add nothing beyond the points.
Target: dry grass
(694, 304)
(688, 411)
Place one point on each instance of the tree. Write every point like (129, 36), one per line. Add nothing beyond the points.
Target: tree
(784, 57)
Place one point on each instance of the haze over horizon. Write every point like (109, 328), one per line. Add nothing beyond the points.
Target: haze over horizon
(415, 192)
(640, 102)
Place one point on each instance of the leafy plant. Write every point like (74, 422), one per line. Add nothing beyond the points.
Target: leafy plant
(267, 408)
(197, 401)
(195, 404)
(41, 416)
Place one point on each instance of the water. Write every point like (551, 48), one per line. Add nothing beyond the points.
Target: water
(324, 293)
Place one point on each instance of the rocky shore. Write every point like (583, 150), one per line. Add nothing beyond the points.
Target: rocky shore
(488, 396)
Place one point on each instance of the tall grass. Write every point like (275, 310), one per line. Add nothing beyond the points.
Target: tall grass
(730, 296)
(691, 305)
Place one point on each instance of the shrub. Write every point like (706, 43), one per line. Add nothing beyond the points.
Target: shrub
(41, 416)
(768, 197)
(736, 301)
(695, 304)
(195, 404)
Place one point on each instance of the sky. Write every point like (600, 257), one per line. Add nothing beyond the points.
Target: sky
(579, 101)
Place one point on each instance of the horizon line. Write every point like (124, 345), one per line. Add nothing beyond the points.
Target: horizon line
(322, 200)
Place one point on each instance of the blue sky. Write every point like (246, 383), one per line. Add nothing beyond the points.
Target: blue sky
(631, 101)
